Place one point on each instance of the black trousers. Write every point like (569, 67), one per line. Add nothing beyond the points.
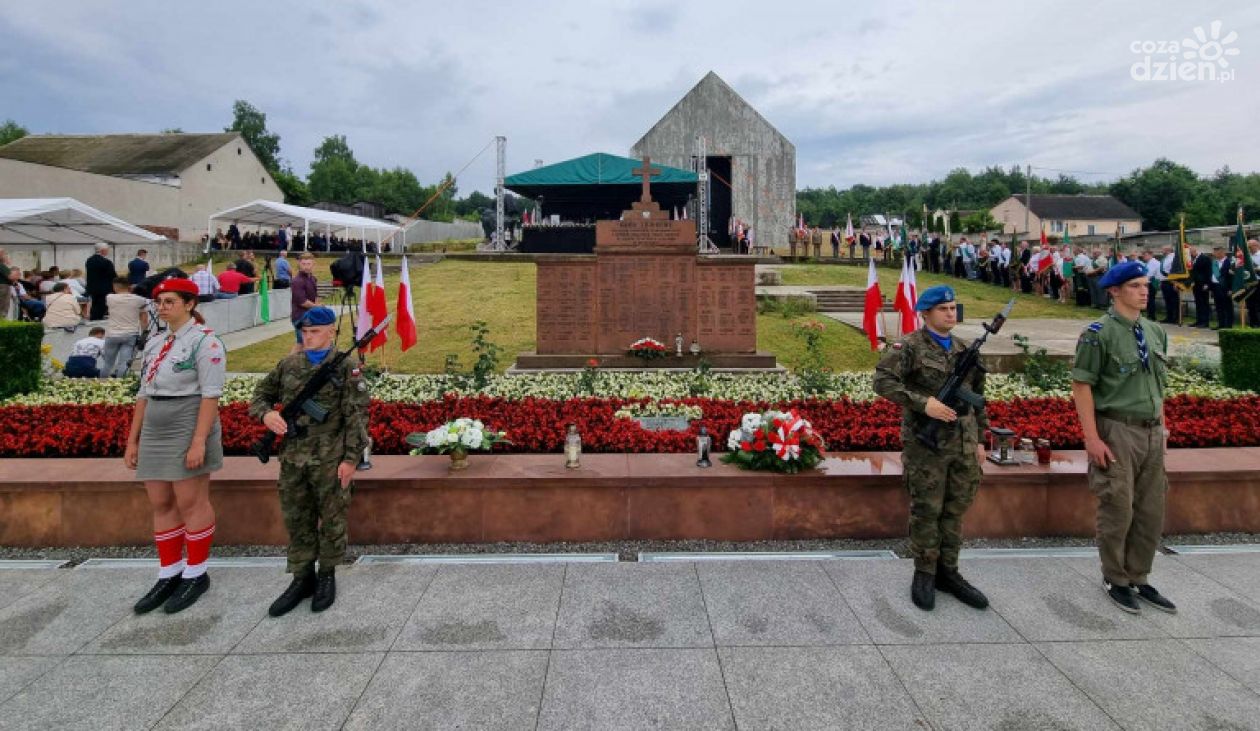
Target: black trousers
(1224, 306)
(1202, 305)
(1172, 302)
(1253, 309)
(99, 310)
(1152, 301)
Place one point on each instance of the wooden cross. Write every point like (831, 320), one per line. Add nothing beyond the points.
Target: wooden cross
(646, 172)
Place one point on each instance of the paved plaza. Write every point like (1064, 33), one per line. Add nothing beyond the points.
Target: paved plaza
(683, 644)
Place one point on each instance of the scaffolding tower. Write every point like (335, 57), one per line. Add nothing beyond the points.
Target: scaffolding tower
(701, 164)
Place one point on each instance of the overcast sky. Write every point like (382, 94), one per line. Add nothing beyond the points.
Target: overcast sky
(899, 93)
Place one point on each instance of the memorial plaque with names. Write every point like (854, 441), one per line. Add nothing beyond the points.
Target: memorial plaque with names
(645, 279)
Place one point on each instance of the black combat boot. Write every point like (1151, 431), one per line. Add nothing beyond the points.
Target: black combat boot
(186, 594)
(951, 582)
(923, 591)
(302, 586)
(158, 595)
(325, 591)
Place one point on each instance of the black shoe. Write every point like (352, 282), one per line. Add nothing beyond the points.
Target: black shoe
(923, 591)
(952, 582)
(158, 595)
(187, 594)
(1150, 595)
(325, 592)
(302, 586)
(1122, 596)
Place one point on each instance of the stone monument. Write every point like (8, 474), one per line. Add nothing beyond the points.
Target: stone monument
(645, 280)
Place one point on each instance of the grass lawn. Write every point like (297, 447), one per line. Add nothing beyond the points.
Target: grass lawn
(450, 296)
(980, 300)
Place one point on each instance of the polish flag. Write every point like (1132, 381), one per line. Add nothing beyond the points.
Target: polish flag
(405, 325)
(1044, 241)
(377, 307)
(848, 230)
(907, 296)
(364, 322)
(872, 324)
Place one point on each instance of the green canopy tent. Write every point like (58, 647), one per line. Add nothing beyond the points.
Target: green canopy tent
(595, 187)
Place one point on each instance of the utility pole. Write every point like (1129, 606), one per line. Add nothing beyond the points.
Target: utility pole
(1027, 199)
(500, 170)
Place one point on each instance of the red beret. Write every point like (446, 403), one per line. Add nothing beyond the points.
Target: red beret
(176, 284)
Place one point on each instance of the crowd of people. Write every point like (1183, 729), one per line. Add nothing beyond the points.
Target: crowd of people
(1060, 271)
(286, 238)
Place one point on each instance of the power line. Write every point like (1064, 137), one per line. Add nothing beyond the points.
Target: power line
(1075, 172)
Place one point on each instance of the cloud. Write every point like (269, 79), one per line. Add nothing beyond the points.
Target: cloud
(902, 95)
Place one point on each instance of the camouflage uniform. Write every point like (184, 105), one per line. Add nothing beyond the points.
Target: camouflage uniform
(1128, 411)
(311, 497)
(942, 483)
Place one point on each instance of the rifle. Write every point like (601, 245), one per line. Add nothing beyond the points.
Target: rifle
(955, 393)
(304, 403)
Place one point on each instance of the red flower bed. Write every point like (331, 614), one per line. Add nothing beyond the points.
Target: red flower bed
(538, 425)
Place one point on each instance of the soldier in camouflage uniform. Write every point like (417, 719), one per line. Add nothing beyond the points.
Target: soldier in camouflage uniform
(317, 463)
(1118, 381)
(942, 483)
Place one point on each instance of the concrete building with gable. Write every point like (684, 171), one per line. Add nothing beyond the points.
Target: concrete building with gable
(1078, 215)
(167, 183)
(752, 166)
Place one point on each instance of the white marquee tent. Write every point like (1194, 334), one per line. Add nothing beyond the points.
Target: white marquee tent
(272, 214)
(64, 221)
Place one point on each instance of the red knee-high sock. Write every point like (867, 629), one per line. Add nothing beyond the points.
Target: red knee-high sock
(170, 548)
(198, 551)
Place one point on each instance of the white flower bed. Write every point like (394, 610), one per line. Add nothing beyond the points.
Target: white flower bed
(768, 387)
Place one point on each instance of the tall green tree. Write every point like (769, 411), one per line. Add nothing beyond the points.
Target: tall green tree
(334, 172)
(10, 131)
(252, 124)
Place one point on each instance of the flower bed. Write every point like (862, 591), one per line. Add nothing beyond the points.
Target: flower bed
(538, 424)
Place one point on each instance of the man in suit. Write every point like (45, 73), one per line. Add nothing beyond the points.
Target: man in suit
(99, 273)
(1222, 275)
(1201, 276)
(1172, 296)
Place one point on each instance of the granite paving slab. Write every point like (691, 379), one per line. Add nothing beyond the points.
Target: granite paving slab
(114, 692)
(486, 607)
(632, 605)
(1156, 684)
(816, 688)
(1237, 656)
(635, 689)
(299, 691)
(776, 603)
(373, 603)
(17, 671)
(455, 690)
(879, 594)
(61, 616)
(994, 687)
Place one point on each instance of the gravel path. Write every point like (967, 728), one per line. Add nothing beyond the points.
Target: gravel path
(627, 550)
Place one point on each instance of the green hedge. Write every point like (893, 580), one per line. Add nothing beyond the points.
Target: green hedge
(1240, 358)
(20, 364)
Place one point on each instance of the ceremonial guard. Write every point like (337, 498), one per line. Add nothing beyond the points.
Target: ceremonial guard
(1118, 381)
(317, 460)
(942, 482)
(175, 443)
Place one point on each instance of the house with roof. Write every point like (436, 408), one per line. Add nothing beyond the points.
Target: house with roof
(1077, 215)
(167, 183)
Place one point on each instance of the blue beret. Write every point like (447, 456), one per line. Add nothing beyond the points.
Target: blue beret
(933, 296)
(318, 316)
(1121, 273)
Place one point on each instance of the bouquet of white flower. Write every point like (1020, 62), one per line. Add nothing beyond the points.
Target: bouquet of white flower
(462, 435)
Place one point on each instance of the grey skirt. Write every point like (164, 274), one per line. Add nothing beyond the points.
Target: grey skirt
(164, 437)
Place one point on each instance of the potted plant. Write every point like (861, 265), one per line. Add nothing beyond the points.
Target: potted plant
(456, 438)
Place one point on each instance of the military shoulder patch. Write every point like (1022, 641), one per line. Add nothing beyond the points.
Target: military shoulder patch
(1095, 327)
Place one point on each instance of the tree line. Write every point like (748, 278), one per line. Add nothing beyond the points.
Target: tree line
(1160, 193)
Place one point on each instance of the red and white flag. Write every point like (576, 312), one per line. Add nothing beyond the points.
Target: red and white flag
(405, 324)
(364, 322)
(377, 307)
(848, 229)
(872, 323)
(907, 296)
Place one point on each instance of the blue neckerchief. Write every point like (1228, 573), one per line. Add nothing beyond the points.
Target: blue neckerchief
(317, 356)
(945, 341)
